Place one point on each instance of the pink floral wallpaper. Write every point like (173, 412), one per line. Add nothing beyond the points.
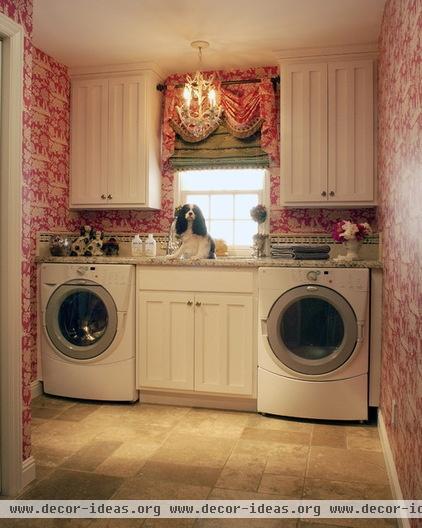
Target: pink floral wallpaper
(400, 176)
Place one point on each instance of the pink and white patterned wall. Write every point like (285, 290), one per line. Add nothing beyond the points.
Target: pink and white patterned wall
(400, 177)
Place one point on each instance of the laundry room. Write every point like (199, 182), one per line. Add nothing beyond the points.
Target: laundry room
(211, 271)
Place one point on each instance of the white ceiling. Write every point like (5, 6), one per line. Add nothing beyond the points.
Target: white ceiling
(241, 33)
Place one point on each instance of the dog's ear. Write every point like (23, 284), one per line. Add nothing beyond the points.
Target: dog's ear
(181, 222)
(199, 227)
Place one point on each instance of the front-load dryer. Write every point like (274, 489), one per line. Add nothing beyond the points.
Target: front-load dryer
(88, 331)
(313, 342)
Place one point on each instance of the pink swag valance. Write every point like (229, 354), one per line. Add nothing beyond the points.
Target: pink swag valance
(248, 107)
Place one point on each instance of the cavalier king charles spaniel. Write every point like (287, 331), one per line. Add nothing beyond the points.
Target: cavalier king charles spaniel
(196, 242)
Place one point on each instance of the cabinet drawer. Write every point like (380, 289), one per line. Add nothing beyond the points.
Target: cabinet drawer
(195, 279)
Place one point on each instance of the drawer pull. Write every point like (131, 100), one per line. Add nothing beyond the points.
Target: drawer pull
(103, 196)
(332, 193)
(109, 196)
(189, 303)
(323, 193)
(198, 303)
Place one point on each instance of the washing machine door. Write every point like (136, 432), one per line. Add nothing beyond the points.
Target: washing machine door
(312, 329)
(81, 319)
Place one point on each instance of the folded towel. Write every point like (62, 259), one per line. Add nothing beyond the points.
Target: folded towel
(301, 256)
(311, 256)
(303, 248)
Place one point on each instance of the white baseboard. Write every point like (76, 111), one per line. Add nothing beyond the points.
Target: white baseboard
(195, 399)
(391, 467)
(28, 471)
(36, 388)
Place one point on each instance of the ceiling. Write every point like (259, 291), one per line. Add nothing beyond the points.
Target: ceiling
(242, 33)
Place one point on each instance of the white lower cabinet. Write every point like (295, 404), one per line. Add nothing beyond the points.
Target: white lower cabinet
(223, 343)
(196, 341)
(166, 340)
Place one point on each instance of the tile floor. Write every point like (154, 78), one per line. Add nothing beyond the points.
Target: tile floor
(140, 451)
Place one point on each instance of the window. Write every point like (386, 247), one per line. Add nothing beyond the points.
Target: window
(226, 198)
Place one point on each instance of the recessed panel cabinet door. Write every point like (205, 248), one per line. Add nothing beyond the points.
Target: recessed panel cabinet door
(303, 135)
(351, 134)
(89, 129)
(165, 340)
(127, 144)
(223, 343)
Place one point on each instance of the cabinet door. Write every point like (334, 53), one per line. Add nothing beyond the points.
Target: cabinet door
(303, 136)
(127, 141)
(223, 343)
(350, 144)
(89, 128)
(165, 340)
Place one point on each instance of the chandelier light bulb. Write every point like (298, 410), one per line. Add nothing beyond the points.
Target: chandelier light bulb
(212, 98)
(187, 94)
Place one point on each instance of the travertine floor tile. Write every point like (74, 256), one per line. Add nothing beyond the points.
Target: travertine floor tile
(204, 422)
(320, 489)
(257, 421)
(279, 436)
(330, 463)
(91, 455)
(129, 458)
(366, 438)
(141, 488)
(288, 459)
(246, 523)
(186, 449)
(329, 436)
(117, 523)
(65, 484)
(181, 473)
(285, 487)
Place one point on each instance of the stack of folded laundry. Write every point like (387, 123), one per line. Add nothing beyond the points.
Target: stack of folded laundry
(300, 252)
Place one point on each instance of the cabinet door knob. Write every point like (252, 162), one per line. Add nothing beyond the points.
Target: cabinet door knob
(103, 196)
(323, 193)
(189, 303)
(332, 193)
(109, 196)
(198, 303)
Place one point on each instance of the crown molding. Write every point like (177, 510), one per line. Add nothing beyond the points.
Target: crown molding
(360, 50)
(126, 68)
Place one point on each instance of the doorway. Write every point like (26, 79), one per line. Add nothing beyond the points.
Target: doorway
(11, 35)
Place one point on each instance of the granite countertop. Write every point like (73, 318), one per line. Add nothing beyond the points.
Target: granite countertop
(221, 262)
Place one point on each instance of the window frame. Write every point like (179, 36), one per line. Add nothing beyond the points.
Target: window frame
(246, 251)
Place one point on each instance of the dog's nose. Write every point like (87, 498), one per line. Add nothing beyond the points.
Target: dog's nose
(190, 213)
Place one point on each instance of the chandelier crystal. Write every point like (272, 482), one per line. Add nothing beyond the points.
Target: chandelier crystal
(200, 114)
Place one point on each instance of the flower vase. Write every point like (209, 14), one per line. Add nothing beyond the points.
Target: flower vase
(352, 249)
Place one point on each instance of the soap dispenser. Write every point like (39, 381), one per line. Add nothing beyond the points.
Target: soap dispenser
(150, 246)
(136, 246)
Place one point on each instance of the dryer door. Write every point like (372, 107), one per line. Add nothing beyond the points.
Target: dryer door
(312, 329)
(81, 320)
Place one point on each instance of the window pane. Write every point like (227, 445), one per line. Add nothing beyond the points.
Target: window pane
(222, 229)
(222, 180)
(244, 231)
(244, 204)
(201, 200)
(222, 206)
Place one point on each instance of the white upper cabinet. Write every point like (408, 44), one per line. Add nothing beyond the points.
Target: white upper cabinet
(327, 129)
(115, 140)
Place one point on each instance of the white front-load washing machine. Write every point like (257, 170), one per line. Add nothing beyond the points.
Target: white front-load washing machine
(313, 342)
(88, 334)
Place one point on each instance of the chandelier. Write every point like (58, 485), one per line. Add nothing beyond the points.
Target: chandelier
(200, 114)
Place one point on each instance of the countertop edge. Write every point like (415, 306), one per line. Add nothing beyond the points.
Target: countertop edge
(217, 263)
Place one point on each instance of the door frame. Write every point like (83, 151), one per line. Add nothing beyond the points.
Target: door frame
(12, 37)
